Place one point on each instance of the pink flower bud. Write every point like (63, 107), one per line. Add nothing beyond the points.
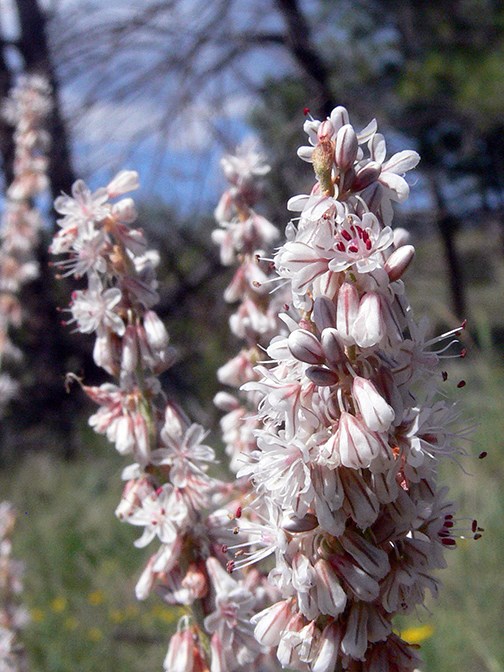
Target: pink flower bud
(375, 411)
(329, 649)
(347, 311)
(126, 180)
(155, 331)
(368, 328)
(366, 175)
(129, 356)
(271, 622)
(331, 598)
(357, 446)
(321, 376)
(324, 313)
(346, 147)
(333, 347)
(125, 211)
(339, 117)
(399, 261)
(305, 347)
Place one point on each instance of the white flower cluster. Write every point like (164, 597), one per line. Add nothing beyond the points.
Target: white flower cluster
(244, 236)
(169, 493)
(26, 109)
(352, 428)
(13, 616)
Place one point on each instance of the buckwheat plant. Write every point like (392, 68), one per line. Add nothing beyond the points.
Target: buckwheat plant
(353, 426)
(26, 109)
(13, 615)
(169, 493)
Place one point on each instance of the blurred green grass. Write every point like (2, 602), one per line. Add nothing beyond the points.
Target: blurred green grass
(81, 566)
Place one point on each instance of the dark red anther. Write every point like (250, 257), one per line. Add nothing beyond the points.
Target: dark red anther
(444, 375)
(369, 244)
(306, 111)
(449, 516)
(238, 512)
(476, 537)
(449, 523)
(224, 548)
(340, 246)
(448, 542)
(230, 566)
(347, 236)
(474, 526)
(482, 455)
(461, 383)
(353, 248)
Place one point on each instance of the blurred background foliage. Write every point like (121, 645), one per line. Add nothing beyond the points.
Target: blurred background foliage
(166, 86)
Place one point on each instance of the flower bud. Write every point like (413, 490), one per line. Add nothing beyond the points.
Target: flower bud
(305, 347)
(324, 313)
(125, 211)
(271, 622)
(332, 345)
(347, 311)
(375, 411)
(155, 331)
(366, 175)
(346, 147)
(399, 261)
(126, 180)
(321, 376)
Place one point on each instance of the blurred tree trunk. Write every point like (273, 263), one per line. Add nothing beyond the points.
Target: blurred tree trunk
(448, 226)
(307, 57)
(6, 139)
(34, 49)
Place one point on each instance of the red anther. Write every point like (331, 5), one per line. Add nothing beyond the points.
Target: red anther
(63, 323)
(340, 246)
(286, 306)
(448, 542)
(482, 455)
(346, 235)
(230, 566)
(449, 523)
(306, 111)
(159, 490)
(238, 512)
(154, 522)
(224, 548)
(444, 375)
(463, 353)
(369, 244)
(461, 383)
(474, 526)
(353, 248)
(449, 516)
(73, 295)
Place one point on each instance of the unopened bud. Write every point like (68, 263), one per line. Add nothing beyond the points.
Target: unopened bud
(346, 147)
(321, 376)
(305, 347)
(399, 261)
(366, 175)
(324, 313)
(333, 347)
